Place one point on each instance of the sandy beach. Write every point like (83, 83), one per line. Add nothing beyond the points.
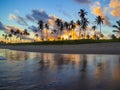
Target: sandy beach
(96, 48)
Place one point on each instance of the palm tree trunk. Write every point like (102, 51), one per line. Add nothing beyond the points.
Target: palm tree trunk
(79, 33)
(100, 29)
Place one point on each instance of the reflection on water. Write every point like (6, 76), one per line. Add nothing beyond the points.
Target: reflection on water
(48, 71)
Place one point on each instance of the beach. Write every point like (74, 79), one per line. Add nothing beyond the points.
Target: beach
(96, 48)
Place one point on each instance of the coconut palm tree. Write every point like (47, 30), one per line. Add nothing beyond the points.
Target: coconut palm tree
(84, 25)
(72, 27)
(36, 36)
(58, 23)
(79, 24)
(54, 32)
(61, 28)
(25, 32)
(82, 13)
(84, 21)
(99, 20)
(94, 28)
(47, 27)
(117, 27)
(10, 36)
(40, 26)
(66, 25)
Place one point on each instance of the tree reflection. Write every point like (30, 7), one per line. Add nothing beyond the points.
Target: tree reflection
(84, 63)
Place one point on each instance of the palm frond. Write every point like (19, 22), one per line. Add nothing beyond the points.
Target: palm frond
(115, 26)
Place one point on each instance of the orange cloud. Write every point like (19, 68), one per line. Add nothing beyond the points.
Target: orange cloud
(115, 8)
(98, 11)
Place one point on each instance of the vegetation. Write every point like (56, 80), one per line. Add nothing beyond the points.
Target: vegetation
(47, 33)
(69, 42)
(117, 27)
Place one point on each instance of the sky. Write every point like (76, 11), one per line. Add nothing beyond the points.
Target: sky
(24, 14)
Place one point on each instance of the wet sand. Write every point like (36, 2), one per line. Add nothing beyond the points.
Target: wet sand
(96, 48)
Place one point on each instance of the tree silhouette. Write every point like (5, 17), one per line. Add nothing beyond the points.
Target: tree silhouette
(79, 24)
(40, 27)
(94, 28)
(84, 21)
(82, 13)
(47, 27)
(58, 23)
(72, 27)
(99, 20)
(117, 27)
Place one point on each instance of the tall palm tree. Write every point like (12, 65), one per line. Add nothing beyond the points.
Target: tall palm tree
(79, 24)
(10, 36)
(54, 32)
(94, 28)
(66, 25)
(47, 27)
(61, 28)
(58, 23)
(72, 27)
(84, 21)
(84, 25)
(99, 20)
(117, 27)
(40, 26)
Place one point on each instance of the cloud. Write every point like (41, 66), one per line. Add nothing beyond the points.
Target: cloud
(2, 26)
(30, 18)
(37, 15)
(115, 8)
(33, 28)
(83, 1)
(98, 11)
(20, 20)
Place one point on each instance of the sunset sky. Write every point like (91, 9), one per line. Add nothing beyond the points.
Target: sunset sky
(25, 13)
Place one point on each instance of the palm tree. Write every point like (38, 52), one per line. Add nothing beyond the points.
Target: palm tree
(58, 23)
(79, 24)
(99, 20)
(36, 36)
(84, 21)
(72, 27)
(40, 26)
(10, 36)
(82, 13)
(61, 28)
(94, 28)
(66, 25)
(54, 32)
(25, 32)
(47, 27)
(117, 27)
(84, 25)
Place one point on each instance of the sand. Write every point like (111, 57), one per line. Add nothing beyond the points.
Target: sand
(96, 48)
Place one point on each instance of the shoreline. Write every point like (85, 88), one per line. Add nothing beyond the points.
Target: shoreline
(95, 48)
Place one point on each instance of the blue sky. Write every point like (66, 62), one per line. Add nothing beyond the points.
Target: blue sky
(64, 9)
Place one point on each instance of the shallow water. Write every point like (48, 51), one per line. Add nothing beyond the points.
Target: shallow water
(47, 71)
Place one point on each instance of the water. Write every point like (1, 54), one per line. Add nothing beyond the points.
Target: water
(47, 71)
